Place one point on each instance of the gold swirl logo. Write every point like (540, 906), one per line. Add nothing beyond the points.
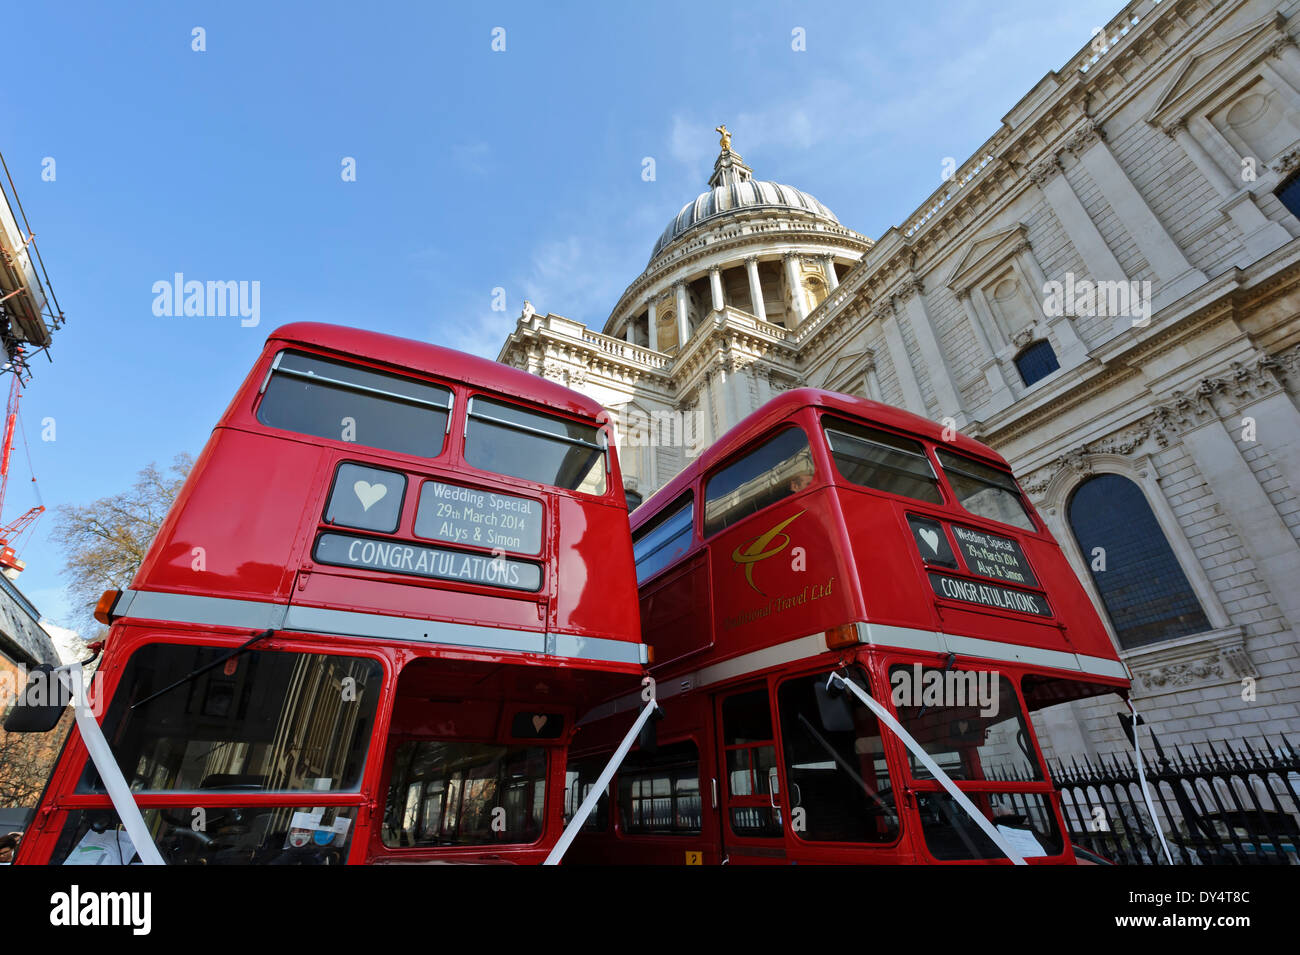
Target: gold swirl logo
(759, 549)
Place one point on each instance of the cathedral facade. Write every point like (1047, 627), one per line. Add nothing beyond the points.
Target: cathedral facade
(1107, 292)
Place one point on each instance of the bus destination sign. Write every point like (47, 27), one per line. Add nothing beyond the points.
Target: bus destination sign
(464, 515)
(989, 595)
(992, 556)
(398, 557)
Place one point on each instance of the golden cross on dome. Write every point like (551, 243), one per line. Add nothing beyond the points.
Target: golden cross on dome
(726, 136)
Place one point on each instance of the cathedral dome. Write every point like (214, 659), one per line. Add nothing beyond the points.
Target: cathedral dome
(732, 189)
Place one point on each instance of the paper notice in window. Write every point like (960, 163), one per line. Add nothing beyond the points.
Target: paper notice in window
(1022, 841)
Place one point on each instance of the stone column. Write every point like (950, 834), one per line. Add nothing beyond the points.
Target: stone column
(795, 286)
(1260, 235)
(874, 391)
(1156, 244)
(832, 280)
(912, 400)
(755, 288)
(941, 379)
(715, 287)
(1237, 492)
(629, 333)
(1000, 395)
(1097, 257)
(683, 319)
(652, 316)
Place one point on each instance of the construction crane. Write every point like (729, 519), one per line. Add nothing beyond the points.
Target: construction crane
(10, 565)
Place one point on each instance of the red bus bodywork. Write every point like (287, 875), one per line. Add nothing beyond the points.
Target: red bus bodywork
(830, 577)
(445, 662)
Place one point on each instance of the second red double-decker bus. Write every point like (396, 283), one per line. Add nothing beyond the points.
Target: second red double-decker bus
(853, 615)
(393, 581)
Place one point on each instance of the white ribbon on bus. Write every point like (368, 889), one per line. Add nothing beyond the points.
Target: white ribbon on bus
(943, 779)
(119, 793)
(598, 788)
(1142, 779)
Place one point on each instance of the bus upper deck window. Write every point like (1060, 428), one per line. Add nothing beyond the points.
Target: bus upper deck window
(985, 491)
(329, 399)
(777, 468)
(882, 461)
(506, 439)
(659, 545)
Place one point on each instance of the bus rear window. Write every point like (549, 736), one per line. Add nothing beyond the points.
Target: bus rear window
(882, 461)
(329, 399)
(506, 439)
(777, 468)
(985, 491)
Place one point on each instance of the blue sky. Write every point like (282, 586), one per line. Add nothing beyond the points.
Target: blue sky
(475, 170)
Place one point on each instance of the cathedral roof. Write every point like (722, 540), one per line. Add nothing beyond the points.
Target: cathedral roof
(733, 187)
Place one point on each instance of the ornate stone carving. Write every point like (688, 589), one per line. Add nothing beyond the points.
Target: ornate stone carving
(1043, 170)
(910, 286)
(1289, 162)
(1183, 411)
(1174, 127)
(883, 309)
(1183, 674)
(1088, 132)
(1023, 337)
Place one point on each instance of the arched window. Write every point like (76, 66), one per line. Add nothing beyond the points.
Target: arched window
(1036, 361)
(1145, 591)
(1289, 194)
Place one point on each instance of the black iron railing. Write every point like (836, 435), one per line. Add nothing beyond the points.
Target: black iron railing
(1218, 803)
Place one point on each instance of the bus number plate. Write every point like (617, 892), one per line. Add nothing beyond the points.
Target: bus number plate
(465, 515)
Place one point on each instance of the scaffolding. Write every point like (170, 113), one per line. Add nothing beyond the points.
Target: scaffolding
(29, 309)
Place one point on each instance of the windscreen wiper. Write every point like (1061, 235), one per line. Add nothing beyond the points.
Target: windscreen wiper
(206, 667)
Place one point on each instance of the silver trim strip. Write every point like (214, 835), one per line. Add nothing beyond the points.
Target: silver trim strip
(874, 634)
(261, 615)
(934, 641)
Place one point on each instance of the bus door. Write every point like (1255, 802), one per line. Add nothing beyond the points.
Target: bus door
(749, 792)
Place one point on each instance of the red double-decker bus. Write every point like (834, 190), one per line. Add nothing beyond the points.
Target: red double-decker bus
(853, 615)
(395, 578)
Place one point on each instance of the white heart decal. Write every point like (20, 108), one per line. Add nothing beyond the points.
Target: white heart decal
(538, 722)
(369, 494)
(930, 537)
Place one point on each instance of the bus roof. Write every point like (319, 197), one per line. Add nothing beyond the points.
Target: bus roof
(435, 360)
(786, 404)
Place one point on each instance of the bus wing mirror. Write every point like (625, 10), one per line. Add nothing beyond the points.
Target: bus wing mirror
(41, 704)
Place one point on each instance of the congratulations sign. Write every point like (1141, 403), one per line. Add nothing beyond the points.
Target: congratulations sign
(989, 595)
(397, 557)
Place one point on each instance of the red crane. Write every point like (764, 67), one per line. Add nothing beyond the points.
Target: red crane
(10, 565)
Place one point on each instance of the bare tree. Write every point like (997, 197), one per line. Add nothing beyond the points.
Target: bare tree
(106, 540)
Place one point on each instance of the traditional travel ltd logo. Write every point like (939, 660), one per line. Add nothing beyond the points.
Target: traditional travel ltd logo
(760, 549)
